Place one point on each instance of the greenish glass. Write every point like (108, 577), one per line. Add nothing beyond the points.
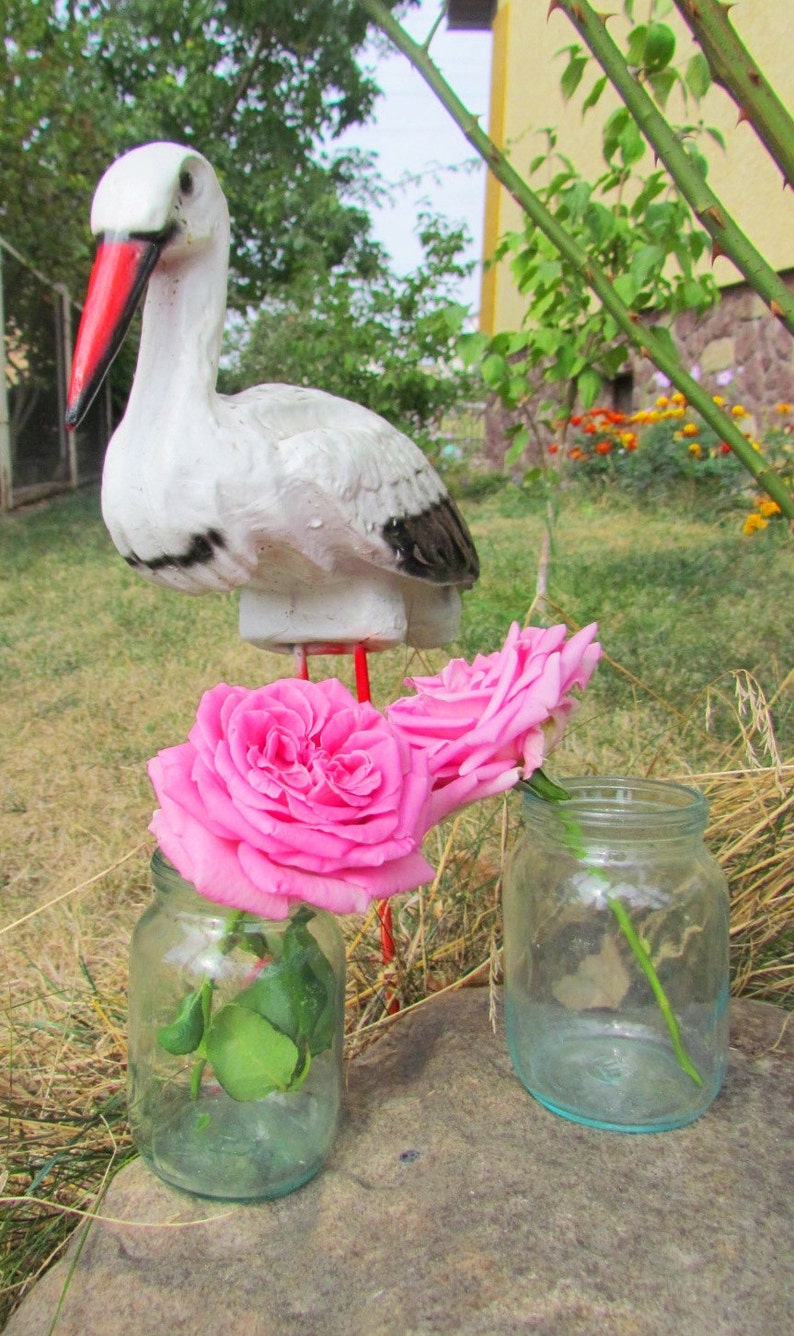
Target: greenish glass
(616, 955)
(236, 1029)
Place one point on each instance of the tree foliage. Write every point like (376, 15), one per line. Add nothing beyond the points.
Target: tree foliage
(251, 85)
(362, 332)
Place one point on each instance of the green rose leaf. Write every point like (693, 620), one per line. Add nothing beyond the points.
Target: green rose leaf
(273, 995)
(315, 983)
(251, 1058)
(184, 1034)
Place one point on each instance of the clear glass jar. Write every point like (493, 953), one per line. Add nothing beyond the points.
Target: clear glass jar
(235, 1042)
(616, 955)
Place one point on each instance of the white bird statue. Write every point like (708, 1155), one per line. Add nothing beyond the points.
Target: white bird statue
(332, 523)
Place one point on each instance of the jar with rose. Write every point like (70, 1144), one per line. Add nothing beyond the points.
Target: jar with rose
(289, 805)
(286, 806)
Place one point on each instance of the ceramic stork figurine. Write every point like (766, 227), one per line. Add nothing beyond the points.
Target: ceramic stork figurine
(332, 523)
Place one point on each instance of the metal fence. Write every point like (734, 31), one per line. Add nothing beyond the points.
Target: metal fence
(37, 455)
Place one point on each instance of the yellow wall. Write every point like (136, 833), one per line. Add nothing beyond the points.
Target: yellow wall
(525, 98)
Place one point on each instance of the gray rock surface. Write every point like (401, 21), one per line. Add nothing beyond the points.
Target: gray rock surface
(453, 1202)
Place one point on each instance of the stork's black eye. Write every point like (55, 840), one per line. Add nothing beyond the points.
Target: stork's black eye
(186, 183)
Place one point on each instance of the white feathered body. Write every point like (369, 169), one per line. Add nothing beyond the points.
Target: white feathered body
(331, 522)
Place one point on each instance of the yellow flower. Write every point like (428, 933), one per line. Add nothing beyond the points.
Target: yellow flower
(767, 507)
(690, 429)
(695, 450)
(679, 398)
(676, 412)
(642, 415)
(783, 408)
(653, 416)
(719, 401)
(753, 523)
(662, 401)
(739, 411)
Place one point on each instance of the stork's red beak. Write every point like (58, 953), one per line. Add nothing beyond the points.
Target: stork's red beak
(118, 278)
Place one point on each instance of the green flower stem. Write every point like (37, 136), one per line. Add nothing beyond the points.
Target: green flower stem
(575, 843)
(646, 965)
(642, 337)
(734, 69)
(728, 237)
(206, 989)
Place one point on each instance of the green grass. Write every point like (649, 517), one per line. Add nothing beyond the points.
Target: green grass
(98, 670)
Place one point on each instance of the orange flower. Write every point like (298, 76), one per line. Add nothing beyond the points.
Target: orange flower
(662, 401)
(590, 428)
(754, 523)
(767, 507)
(603, 447)
(783, 408)
(690, 429)
(678, 398)
(739, 411)
(553, 448)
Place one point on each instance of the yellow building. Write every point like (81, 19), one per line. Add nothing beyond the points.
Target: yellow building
(526, 98)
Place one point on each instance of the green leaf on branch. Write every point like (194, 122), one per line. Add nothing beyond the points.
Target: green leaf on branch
(595, 93)
(659, 47)
(635, 52)
(250, 1057)
(698, 76)
(588, 387)
(662, 85)
(664, 337)
(518, 446)
(572, 74)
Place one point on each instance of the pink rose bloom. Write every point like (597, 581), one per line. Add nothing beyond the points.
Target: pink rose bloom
(293, 791)
(484, 725)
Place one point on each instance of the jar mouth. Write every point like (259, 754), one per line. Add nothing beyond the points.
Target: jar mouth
(599, 801)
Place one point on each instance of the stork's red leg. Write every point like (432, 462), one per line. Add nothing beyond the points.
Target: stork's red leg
(301, 663)
(387, 951)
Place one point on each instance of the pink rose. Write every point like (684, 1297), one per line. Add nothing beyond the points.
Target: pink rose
(293, 791)
(485, 724)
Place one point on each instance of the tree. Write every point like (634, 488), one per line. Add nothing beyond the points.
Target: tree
(361, 332)
(638, 75)
(252, 86)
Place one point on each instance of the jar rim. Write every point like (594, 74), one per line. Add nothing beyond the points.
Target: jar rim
(599, 800)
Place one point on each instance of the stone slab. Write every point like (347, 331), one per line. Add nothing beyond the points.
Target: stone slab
(454, 1203)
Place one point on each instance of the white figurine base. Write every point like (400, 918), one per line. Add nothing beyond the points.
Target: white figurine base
(377, 615)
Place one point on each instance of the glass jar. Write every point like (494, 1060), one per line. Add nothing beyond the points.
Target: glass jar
(616, 955)
(235, 1042)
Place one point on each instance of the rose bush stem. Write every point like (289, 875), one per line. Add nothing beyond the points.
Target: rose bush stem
(207, 988)
(734, 69)
(575, 842)
(727, 236)
(646, 965)
(641, 337)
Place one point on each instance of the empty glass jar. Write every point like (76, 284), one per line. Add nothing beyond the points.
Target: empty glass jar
(235, 1042)
(616, 955)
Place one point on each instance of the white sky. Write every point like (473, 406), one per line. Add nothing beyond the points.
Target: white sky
(412, 133)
